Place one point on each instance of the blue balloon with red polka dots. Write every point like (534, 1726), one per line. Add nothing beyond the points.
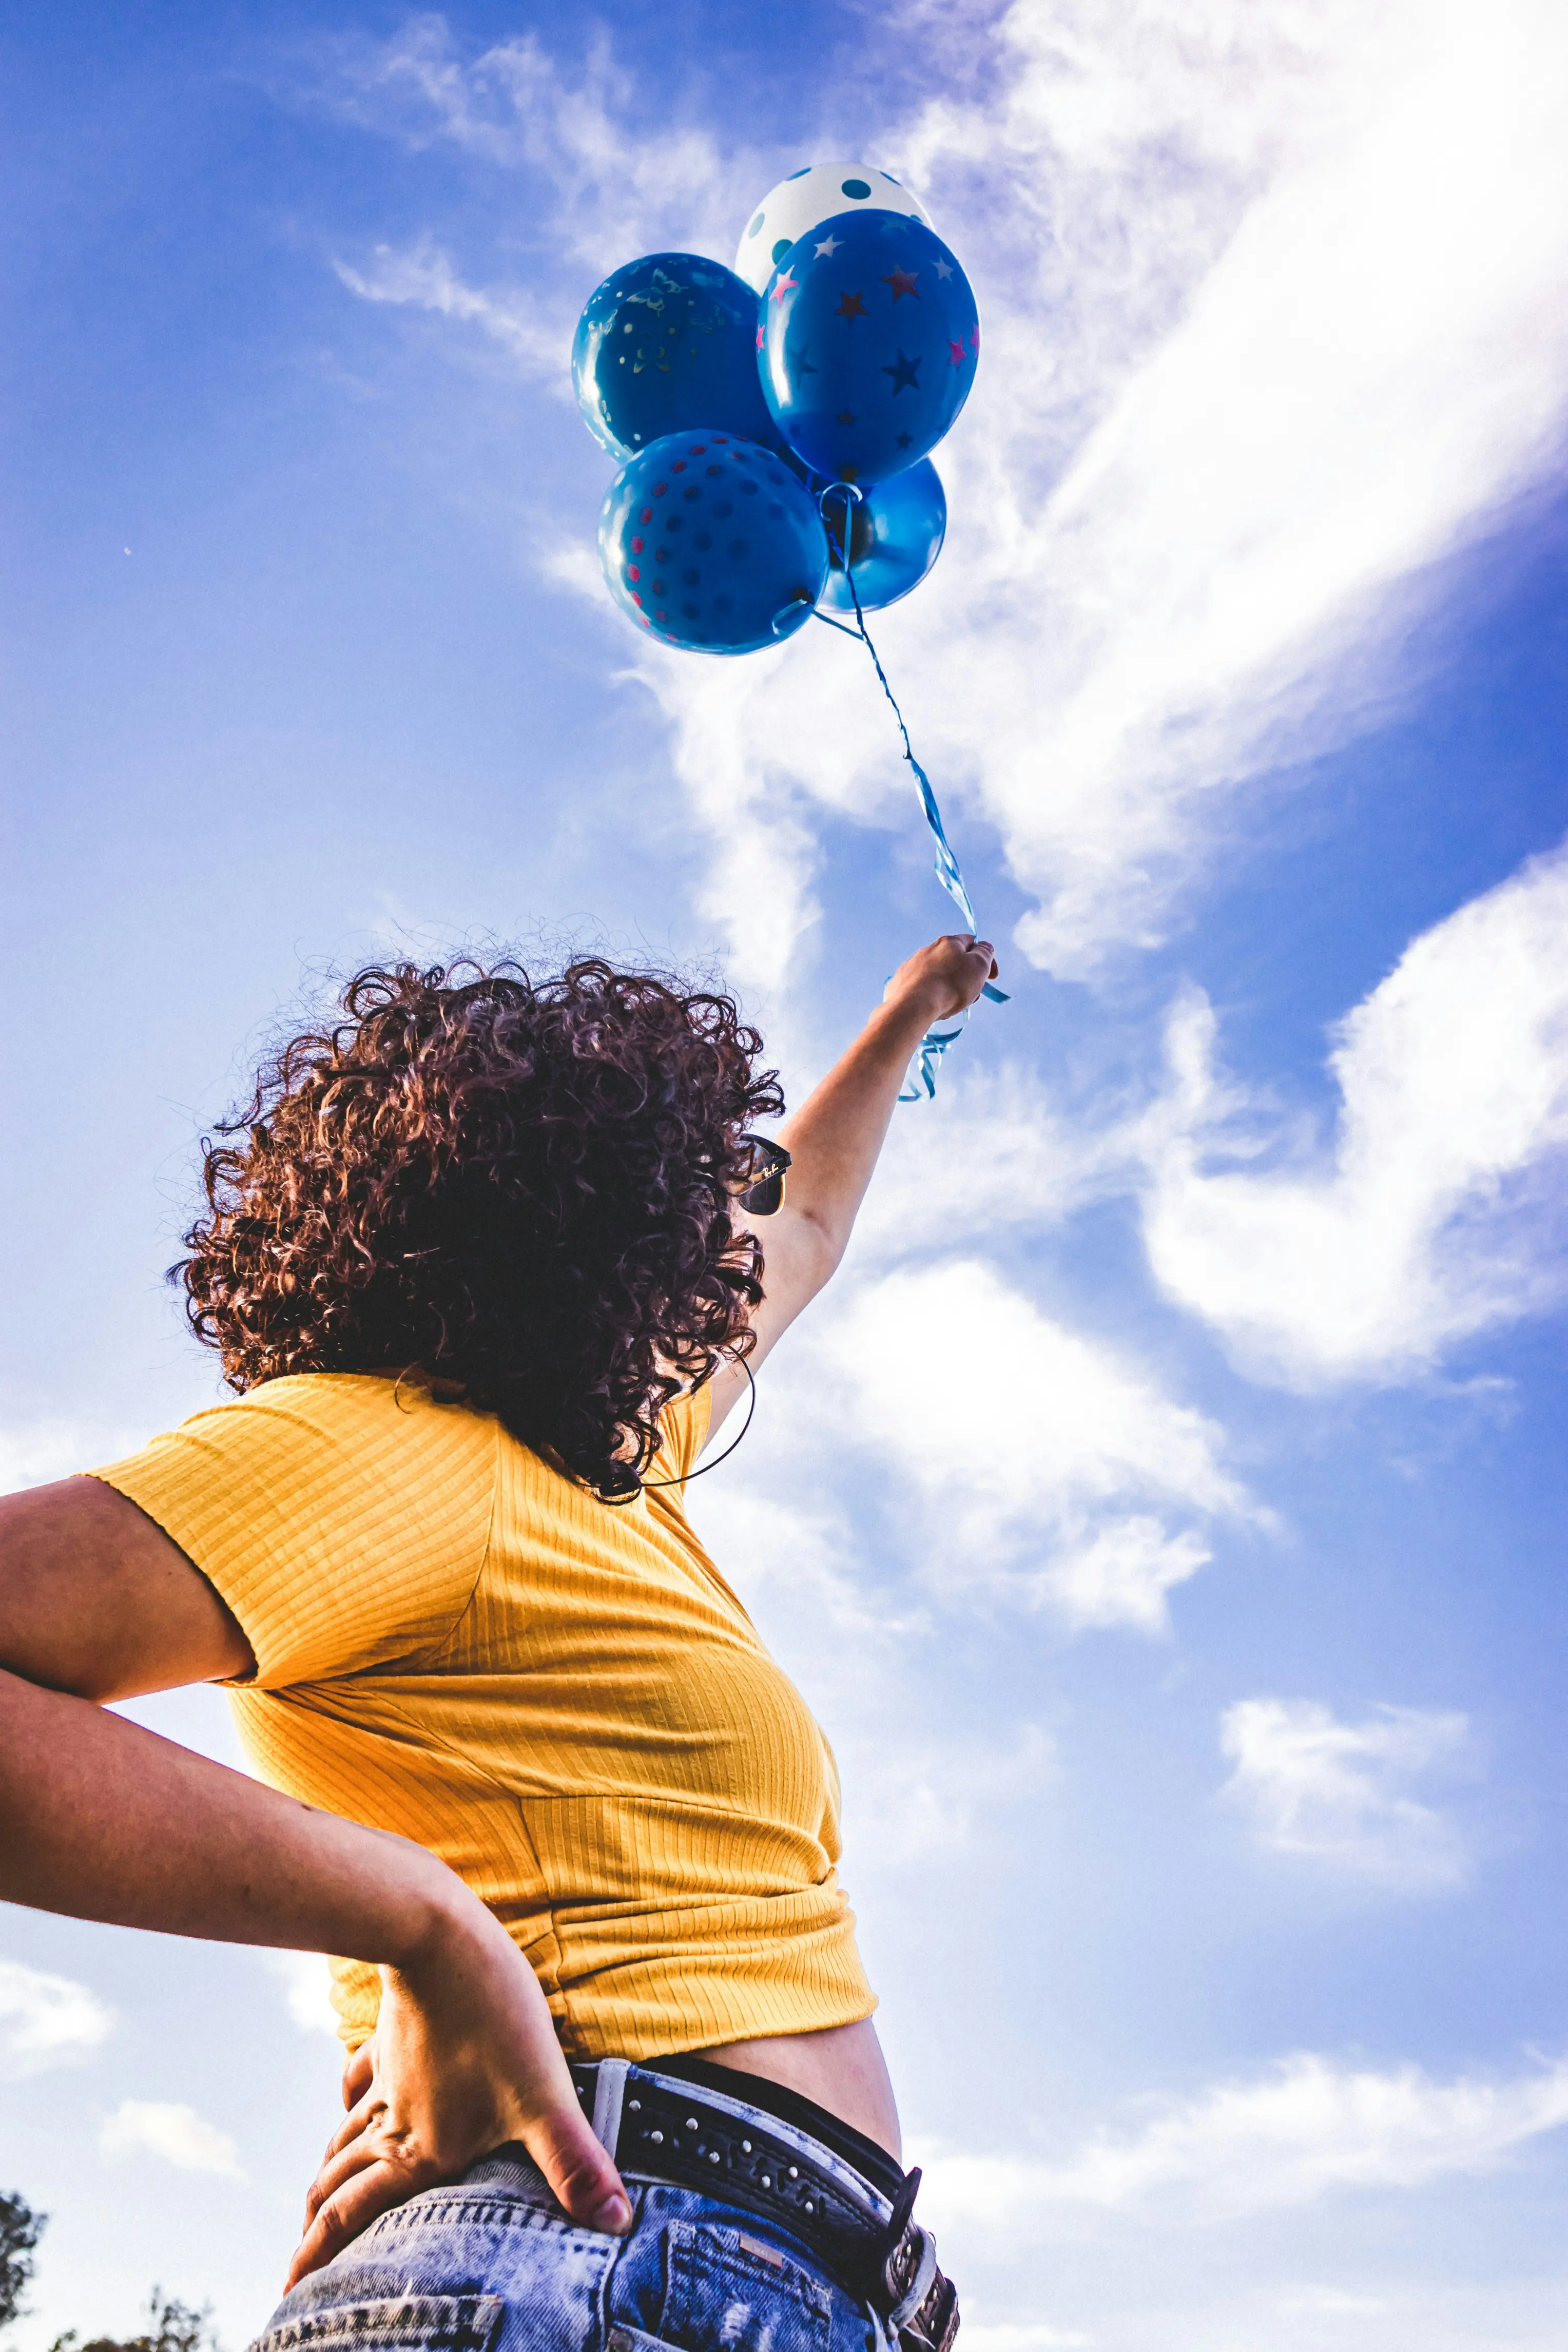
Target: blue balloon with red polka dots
(711, 543)
(868, 344)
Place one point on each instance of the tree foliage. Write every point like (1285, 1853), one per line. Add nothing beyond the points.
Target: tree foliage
(20, 2229)
(172, 2326)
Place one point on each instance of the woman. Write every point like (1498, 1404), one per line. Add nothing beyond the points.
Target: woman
(483, 1265)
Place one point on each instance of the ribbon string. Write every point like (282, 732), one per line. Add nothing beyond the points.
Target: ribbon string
(936, 1042)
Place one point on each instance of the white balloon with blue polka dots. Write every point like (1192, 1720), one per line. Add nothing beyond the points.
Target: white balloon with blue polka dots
(808, 197)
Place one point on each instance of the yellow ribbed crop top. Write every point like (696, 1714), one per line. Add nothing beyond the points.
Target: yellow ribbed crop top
(561, 1698)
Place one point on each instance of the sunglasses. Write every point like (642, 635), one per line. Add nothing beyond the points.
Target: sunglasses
(765, 1164)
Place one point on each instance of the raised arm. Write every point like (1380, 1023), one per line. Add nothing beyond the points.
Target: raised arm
(101, 1819)
(836, 1137)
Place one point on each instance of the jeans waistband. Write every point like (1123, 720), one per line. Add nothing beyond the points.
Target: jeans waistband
(675, 2127)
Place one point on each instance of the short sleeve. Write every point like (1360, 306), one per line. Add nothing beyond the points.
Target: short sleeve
(683, 1433)
(344, 1518)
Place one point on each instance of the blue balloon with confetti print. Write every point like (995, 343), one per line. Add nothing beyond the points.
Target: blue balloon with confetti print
(895, 533)
(713, 544)
(869, 344)
(666, 344)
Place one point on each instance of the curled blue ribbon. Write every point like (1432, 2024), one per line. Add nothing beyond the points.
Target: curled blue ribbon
(922, 1080)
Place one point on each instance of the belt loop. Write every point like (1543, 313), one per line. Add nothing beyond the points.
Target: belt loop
(609, 2093)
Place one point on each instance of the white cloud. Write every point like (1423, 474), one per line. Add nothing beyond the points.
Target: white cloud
(46, 2021)
(613, 184)
(1440, 1208)
(309, 1981)
(743, 756)
(177, 2134)
(992, 1153)
(34, 1452)
(536, 337)
(1340, 1794)
(924, 1799)
(1373, 364)
(1306, 2129)
(798, 1557)
(1043, 1465)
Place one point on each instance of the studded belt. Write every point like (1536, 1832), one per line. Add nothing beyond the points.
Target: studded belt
(663, 2127)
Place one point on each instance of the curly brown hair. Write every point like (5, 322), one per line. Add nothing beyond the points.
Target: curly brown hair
(522, 1187)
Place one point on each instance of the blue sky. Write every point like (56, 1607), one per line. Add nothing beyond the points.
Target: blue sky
(1165, 1512)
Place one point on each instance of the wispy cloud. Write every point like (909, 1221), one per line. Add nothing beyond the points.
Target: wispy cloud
(613, 183)
(536, 337)
(1039, 1472)
(176, 2133)
(1439, 1208)
(46, 2020)
(1046, 1468)
(1307, 2128)
(1369, 366)
(1341, 1795)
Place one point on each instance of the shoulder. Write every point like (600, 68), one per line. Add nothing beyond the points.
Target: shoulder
(360, 1422)
(342, 1401)
(342, 1516)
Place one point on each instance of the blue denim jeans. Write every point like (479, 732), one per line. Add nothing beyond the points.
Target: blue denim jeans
(492, 2264)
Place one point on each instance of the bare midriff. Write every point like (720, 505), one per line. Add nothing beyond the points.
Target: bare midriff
(841, 2068)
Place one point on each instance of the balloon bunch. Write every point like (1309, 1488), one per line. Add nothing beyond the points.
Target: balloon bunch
(773, 423)
(774, 420)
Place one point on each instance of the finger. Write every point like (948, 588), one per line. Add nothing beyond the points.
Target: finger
(358, 2072)
(337, 2170)
(579, 2170)
(357, 2120)
(353, 2208)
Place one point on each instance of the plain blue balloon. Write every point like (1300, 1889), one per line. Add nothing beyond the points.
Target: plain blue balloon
(895, 534)
(711, 543)
(870, 342)
(665, 345)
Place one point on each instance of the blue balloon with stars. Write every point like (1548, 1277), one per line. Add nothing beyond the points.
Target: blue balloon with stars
(711, 543)
(666, 344)
(868, 344)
